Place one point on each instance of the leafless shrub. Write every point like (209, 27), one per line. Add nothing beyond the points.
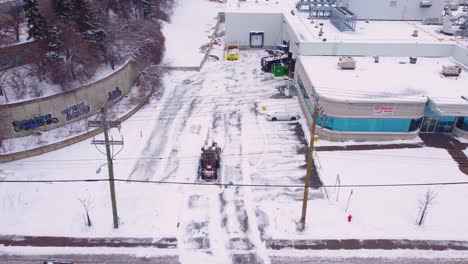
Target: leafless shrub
(87, 205)
(75, 128)
(38, 69)
(425, 204)
(36, 90)
(58, 73)
(3, 82)
(17, 83)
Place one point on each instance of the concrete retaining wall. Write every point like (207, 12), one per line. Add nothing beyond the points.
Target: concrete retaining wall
(70, 141)
(42, 114)
(20, 54)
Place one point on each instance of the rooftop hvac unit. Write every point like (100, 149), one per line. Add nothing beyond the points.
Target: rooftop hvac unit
(451, 70)
(347, 63)
(425, 3)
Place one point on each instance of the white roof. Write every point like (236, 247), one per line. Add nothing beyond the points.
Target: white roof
(390, 80)
(372, 32)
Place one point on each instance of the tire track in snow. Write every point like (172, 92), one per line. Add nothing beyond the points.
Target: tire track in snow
(158, 143)
(206, 243)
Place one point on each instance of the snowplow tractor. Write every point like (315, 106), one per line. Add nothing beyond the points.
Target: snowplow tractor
(210, 163)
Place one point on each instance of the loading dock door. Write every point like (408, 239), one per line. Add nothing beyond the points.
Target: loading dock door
(256, 39)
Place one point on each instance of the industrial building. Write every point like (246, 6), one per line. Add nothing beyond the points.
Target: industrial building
(383, 98)
(391, 99)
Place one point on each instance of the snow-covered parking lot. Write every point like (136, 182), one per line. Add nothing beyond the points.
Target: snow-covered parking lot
(162, 143)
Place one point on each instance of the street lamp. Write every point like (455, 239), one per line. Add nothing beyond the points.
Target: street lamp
(99, 169)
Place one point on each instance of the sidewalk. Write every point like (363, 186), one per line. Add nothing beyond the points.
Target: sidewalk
(352, 244)
(453, 146)
(46, 241)
(275, 244)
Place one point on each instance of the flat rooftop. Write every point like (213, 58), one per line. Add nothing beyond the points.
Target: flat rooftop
(371, 32)
(393, 79)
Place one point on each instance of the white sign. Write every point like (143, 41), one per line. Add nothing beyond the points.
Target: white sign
(383, 110)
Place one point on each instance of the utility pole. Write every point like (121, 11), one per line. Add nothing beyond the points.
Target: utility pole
(310, 162)
(106, 125)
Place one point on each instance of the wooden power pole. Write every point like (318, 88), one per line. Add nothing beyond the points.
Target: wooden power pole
(310, 162)
(106, 125)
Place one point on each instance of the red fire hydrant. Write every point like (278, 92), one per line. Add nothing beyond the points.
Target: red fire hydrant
(350, 217)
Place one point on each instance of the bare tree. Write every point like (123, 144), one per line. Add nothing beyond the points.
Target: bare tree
(425, 204)
(82, 59)
(140, 40)
(3, 80)
(13, 19)
(150, 78)
(17, 83)
(87, 204)
(6, 33)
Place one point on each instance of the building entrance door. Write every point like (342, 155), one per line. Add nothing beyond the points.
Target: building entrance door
(256, 39)
(437, 124)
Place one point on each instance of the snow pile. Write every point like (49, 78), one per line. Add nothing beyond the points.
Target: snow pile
(192, 25)
(380, 212)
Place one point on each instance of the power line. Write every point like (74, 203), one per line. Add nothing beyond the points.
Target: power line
(240, 184)
(338, 152)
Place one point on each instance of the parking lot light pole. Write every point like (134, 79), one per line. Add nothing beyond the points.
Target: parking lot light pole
(310, 162)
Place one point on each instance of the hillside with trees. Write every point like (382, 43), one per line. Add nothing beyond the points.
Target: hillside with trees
(76, 38)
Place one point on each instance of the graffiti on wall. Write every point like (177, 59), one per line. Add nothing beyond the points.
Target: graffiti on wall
(33, 123)
(75, 111)
(114, 94)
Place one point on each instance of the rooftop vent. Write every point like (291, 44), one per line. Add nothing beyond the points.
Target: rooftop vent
(425, 3)
(413, 60)
(451, 70)
(347, 63)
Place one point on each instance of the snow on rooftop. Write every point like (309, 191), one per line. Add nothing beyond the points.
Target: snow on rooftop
(257, 6)
(373, 31)
(393, 78)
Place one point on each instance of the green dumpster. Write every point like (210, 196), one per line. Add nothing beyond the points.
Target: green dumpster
(279, 70)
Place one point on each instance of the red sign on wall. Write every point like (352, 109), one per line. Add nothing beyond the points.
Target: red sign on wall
(383, 110)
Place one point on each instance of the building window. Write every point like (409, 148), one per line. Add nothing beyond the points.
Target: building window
(432, 122)
(307, 101)
(393, 3)
(462, 123)
(369, 124)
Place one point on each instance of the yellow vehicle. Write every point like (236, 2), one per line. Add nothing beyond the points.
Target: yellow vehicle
(232, 52)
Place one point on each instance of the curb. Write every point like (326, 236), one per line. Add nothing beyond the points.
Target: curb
(353, 244)
(44, 241)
